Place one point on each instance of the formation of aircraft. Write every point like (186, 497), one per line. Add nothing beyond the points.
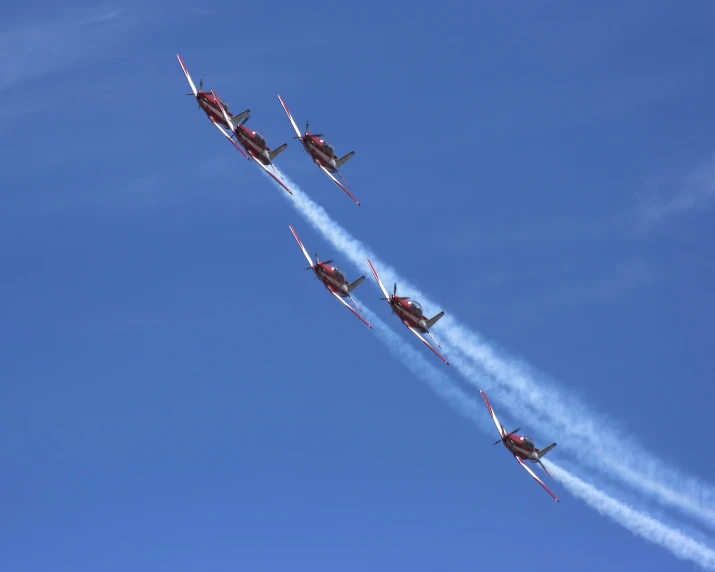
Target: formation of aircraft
(253, 146)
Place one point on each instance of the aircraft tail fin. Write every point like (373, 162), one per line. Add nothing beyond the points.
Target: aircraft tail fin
(432, 321)
(241, 117)
(273, 154)
(543, 452)
(340, 162)
(355, 284)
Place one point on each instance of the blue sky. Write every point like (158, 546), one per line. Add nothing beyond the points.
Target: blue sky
(177, 393)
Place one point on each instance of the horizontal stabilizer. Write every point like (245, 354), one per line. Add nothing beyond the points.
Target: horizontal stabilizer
(237, 119)
(340, 162)
(355, 284)
(273, 154)
(432, 321)
(544, 451)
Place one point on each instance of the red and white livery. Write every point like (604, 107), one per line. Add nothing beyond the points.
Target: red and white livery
(255, 147)
(322, 153)
(333, 279)
(209, 103)
(410, 313)
(521, 447)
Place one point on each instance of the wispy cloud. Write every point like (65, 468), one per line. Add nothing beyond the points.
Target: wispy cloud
(50, 45)
(622, 279)
(695, 193)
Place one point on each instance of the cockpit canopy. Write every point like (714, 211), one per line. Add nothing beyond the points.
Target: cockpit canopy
(260, 139)
(416, 308)
(327, 147)
(224, 104)
(527, 443)
(338, 274)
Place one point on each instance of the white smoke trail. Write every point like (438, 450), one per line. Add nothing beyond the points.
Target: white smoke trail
(586, 437)
(438, 381)
(640, 524)
(586, 434)
(676, 542)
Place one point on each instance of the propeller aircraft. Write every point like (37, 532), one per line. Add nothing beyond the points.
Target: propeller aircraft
(322, 152)
(521, 447)
(333, 279)
(209, 102)
(410, 313)
(254, 144)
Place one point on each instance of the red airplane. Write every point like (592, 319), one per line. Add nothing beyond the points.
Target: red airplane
(210, 103)
(333, 279)
(321, 151)
(521, 447)
(410, 313)
(255, 146)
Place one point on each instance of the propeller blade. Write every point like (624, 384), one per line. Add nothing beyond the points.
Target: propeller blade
(497, 442)
(317, 134)
(316, 257)
(514, 431)
(307, 125)
(394, 291)
(328, 261)
(201, 84)
(246, 119)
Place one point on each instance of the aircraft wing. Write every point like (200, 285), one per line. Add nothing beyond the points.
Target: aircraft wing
(387, 296)
(338, 183)
(425, 342)
(186, 73)
(500, 427)
(538, 480)
(276, 179)
(227, 136)
(292, 122)
(344, 303)
(305, 252)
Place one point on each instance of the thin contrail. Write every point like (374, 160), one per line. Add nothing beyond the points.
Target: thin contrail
(586, 434)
